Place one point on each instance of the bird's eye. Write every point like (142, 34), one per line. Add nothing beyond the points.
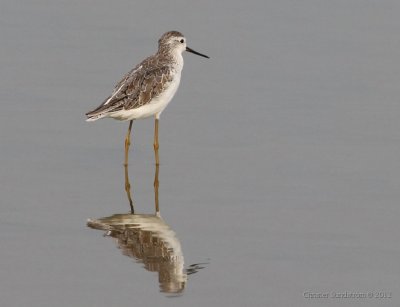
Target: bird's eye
(182, 40)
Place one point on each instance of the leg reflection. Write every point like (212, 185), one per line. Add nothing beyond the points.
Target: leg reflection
(128, 188)
(156, 185)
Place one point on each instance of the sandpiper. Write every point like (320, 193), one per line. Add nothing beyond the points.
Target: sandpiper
(148, 88)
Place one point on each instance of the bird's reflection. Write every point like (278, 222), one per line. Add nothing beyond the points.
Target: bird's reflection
(149, 240)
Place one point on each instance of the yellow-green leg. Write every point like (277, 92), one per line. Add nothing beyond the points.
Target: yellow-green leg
(128, 142)
(156, 141)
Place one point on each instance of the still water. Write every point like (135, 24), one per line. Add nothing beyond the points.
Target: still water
(280, 170)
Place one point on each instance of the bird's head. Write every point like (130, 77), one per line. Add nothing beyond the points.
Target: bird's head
(174, 41)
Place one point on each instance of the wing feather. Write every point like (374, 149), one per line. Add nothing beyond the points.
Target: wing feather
(136, 88)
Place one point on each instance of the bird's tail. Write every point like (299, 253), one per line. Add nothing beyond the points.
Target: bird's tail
(104, 109)
(100, 112)
(92, 116)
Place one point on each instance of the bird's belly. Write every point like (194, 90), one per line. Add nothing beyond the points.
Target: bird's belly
(155, 107)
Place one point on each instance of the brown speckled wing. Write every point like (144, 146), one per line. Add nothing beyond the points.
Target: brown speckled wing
(137, 88)
(151, 84)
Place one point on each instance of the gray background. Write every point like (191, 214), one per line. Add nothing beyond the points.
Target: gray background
(279, 156)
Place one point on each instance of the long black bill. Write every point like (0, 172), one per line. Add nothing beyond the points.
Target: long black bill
(198, 53)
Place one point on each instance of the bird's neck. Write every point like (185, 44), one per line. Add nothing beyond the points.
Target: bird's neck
(172, 58)
(178, 60)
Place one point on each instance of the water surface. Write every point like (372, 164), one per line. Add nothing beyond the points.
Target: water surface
(279, 155)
